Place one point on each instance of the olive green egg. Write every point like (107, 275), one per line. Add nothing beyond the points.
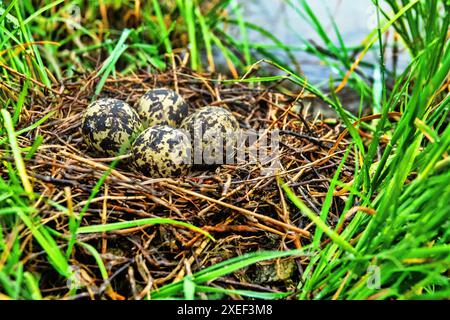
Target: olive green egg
(161, 151)
(162, 107)
(108, 124)
(214, 132)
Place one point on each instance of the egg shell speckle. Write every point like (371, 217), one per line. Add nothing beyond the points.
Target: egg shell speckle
(108, 124)
(162, 151)
(162, 107)
(215, 128)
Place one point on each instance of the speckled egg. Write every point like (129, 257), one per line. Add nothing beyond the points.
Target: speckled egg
(162, 107)
(108, 124)
(212, 130)
(161, 151)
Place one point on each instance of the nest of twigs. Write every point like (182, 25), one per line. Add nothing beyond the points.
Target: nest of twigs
(243, 210)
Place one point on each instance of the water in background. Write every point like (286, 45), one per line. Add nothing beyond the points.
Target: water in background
(354, 19)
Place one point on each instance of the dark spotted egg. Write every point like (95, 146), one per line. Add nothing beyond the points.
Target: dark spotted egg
(162, 106)
(213, 132)
(108, 124)
(161, 151)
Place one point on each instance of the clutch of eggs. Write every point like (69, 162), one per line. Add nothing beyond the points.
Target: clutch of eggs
(108, 125)
(162, 107)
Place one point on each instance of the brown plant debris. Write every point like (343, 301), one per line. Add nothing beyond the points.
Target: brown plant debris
(243, 210)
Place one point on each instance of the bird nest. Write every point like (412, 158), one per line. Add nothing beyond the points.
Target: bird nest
(243, 209)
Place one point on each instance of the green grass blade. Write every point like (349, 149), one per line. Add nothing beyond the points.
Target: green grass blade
(138, 223)
(223, 268)
(315, 219)
(244, 293)
(20, 165)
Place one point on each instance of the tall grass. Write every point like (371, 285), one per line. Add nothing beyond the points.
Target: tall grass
(402, 251)
(79, 34)
(406, 241)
